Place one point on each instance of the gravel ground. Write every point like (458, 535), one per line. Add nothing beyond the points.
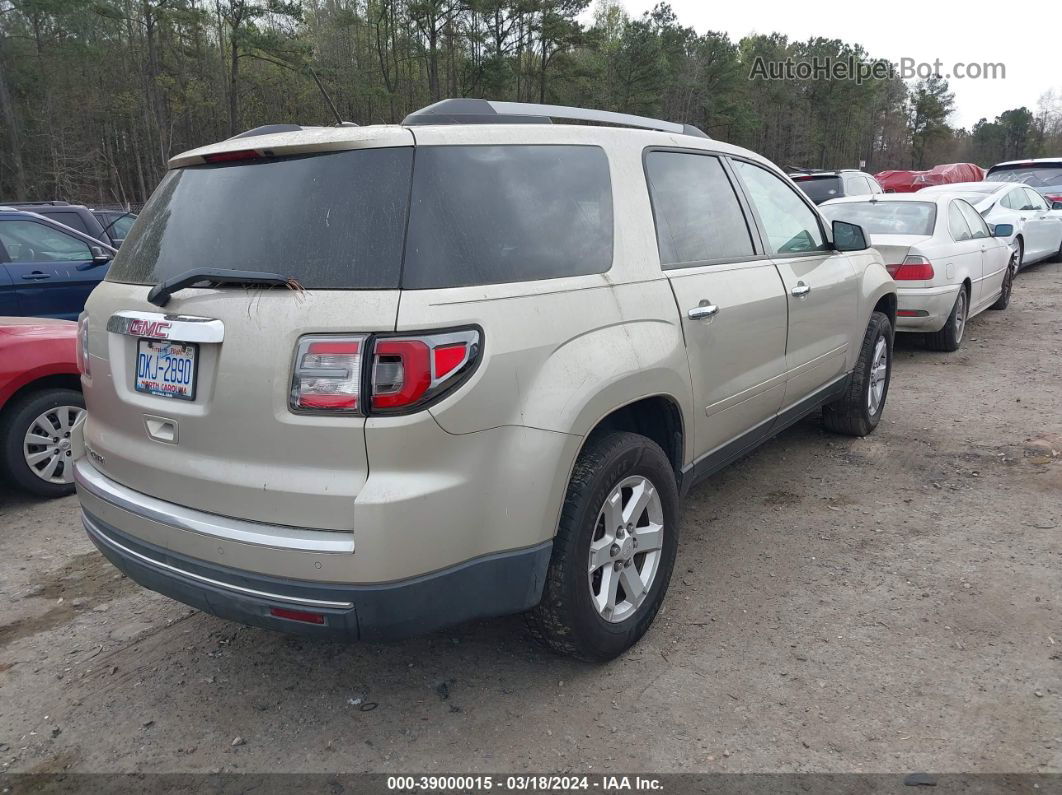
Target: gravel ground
(882, 604)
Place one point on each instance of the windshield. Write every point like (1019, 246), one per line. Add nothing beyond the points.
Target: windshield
(1035, 176)
(885, 217)
(333, 220)
(819, 189)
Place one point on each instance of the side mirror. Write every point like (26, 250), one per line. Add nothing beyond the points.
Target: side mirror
(99, 257)
(1002, 230)
(1056, 205)
(849, 237)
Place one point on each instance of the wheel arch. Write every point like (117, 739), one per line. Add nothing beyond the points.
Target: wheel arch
(62, 380)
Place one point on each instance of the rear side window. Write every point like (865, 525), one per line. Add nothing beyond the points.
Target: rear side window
(960, 230)
(496, 214)
(332, 220)
(697, 214)
(73, 220)
(820, 189)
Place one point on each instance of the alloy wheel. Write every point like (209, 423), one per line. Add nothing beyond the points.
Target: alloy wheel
(879, 372)
(626, 548)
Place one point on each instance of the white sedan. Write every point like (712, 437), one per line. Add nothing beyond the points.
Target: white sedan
(948, 263)
(1037, 228)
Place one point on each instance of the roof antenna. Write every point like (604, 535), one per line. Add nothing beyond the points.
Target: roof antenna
(328, 99)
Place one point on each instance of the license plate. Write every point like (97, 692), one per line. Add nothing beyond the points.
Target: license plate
(166, 369)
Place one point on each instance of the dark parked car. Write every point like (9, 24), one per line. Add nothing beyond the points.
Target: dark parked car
(822, 186)
(116, 223)
(47, 269)
(76, 216)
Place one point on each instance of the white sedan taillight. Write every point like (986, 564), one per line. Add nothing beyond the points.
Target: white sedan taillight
(406, 372)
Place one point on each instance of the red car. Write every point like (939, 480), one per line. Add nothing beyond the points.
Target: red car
(40, 400)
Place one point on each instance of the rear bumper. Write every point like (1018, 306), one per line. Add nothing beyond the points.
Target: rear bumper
(932, 304)
(496, 585)
(298, 570)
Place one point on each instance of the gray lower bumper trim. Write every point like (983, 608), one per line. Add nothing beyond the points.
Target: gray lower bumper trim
(121, 549)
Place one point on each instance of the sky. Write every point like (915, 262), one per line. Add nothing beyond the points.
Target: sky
(924, 31)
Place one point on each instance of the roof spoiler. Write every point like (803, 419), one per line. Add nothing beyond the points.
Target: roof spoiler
(482, 111)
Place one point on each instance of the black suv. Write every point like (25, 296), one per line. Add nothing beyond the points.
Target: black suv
(822, 186)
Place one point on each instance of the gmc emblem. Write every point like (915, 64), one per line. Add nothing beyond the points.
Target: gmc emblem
(149, 328)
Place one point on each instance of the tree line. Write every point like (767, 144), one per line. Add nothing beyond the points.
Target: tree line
(96, 95)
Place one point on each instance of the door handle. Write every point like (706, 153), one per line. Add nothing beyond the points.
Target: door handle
(36, 276)
(800, 290)
(705, 310)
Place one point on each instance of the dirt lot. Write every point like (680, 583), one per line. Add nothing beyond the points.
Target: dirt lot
(885, 604)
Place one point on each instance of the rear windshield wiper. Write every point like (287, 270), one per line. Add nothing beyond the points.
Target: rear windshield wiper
(161, 292)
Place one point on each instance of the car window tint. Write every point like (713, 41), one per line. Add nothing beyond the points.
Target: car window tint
(330, 221)
(29, 241)
(698, 217)
(497, 214)
(978, 227)
(960, 230)
(1034, 200)
(71, 219)
(791, 226)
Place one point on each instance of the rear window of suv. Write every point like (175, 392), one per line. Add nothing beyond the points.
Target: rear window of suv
(476, 215)
(329, 220)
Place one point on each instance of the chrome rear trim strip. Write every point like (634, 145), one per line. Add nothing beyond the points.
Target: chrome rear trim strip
(178, 517)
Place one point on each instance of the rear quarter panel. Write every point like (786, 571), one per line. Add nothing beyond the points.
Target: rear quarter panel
(28, 354)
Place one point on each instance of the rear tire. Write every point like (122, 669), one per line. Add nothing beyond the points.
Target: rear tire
(858, 411)
(949, 338)
(577, 616)
(1008, 285)
(15, 423)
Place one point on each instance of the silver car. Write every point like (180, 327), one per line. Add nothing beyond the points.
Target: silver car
(949, 264)
(371, 381)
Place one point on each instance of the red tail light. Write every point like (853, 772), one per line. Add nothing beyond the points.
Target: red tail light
(406, 373)
(912, 269)
(229, 157)
(410, 371)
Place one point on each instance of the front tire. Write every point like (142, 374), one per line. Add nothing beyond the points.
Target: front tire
(614, 550)
(949, 338)
(35, 440)
(858, 411)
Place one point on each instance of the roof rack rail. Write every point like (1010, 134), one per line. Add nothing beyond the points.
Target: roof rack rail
(483, 111)
(56, 203)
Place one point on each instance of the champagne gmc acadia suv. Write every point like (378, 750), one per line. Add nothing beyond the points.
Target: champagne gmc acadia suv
(372, 381)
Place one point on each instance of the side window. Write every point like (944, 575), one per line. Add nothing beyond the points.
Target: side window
(1034, 200)
(698, 217)
(875, 186)
(791, 226)
(28, 241)
(853, 186)
(1010, 200)
(73, 220)
(977, 224)
(508, 213)
(960, 230)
